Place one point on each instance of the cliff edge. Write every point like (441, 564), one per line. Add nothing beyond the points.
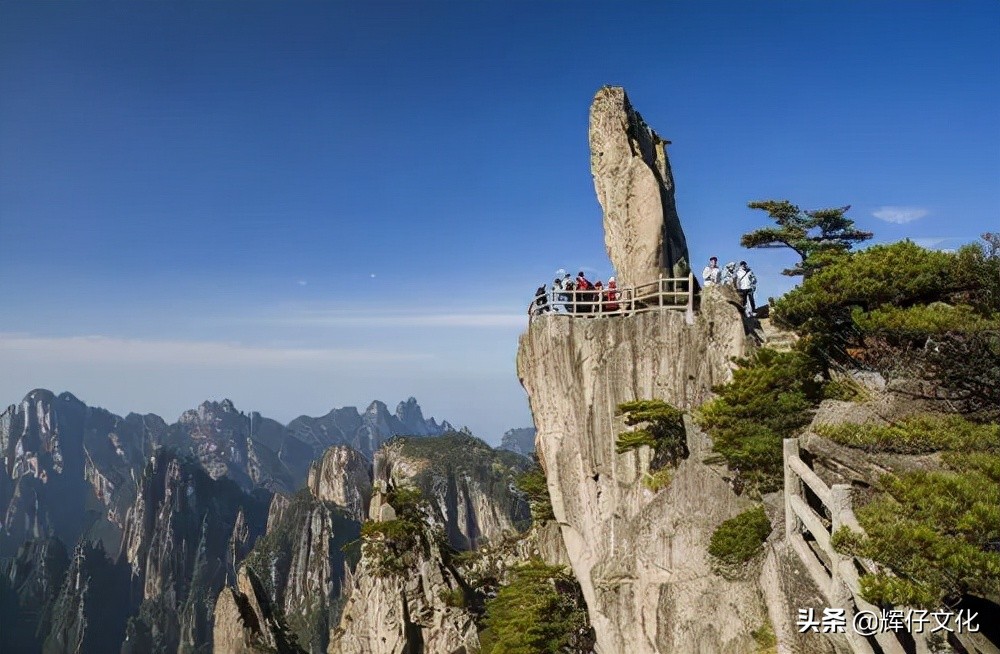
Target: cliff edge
(640, 555)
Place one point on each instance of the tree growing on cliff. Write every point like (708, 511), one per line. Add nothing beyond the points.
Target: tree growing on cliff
(541, 610)
(816, 236)
(662, 430)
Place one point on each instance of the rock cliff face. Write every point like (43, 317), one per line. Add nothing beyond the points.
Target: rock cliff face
(635, 187)
(640, 556)
(69, 470)
(289, 587)
(92, 608)
(252, 451)
(468, 500)
(29, 585)
(247, 622)
(393, 614)
(468, 483)
(342, 477)
(183, 535)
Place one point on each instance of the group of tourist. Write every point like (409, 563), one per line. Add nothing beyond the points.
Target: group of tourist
(739, 277)
(578, 295)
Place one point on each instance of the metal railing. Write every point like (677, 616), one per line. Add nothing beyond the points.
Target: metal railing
(835, 574)
(675, 293)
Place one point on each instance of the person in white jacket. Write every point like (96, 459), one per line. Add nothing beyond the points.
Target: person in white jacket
(746, 284)
(712, 274)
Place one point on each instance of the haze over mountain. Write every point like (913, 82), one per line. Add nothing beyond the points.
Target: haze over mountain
(135, 526)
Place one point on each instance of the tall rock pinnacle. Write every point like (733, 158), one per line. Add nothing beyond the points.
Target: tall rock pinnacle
(635, 187)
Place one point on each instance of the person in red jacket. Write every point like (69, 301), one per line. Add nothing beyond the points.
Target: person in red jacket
(584, 293)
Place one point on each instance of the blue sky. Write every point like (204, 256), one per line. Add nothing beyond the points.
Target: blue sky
(308, 205)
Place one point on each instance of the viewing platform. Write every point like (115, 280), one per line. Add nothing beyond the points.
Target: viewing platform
(670, 293)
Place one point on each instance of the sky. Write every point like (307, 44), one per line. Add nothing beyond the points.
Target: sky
(307, 205)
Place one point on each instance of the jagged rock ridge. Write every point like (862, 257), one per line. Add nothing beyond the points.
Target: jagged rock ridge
(470, 501)
(521, 440)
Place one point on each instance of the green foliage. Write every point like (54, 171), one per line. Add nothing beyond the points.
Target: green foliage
(540, 610)
(845, 390)
(832, 304)
(917, 323)
(920, 434)
(968, 367)
(910, 312)
(392, 546)
(532, 483)
(463, 456)
(740, 538)
(819, 237)
(657, 481)
(771, 397)
(938, 532)
(663, 431)
(454, 597)
(766, 641)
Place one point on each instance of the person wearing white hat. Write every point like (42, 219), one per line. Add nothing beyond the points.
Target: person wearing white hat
(611, 296)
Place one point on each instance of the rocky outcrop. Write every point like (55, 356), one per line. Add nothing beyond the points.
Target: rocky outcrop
(365, 432)
(418, 611)
(469, 485)
(227, 443)
(29, 585)
(246, 621)
(342, 477)
(635, 187)
(300, 564)
(183, 537)
(640, 556)
(90, 613)
(291, 582)
(62, 460)
(521, 440)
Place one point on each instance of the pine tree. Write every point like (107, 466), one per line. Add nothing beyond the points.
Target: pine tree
(816, 236)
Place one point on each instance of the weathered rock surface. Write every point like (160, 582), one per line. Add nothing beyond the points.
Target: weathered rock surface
(291, 582)
(68, 470)
(93, 605)
(640, 557)
(246, 621)
(390, 614)
(183, 537)
(342, 476)
(635, 187)
(469, 484)
(29, 585)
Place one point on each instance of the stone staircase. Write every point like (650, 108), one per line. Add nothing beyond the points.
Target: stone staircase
(774, 337)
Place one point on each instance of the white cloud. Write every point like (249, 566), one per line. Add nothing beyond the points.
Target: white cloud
(383, 318)
(302, 282)
(942, 243)
(107, 350)
(900, 215)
